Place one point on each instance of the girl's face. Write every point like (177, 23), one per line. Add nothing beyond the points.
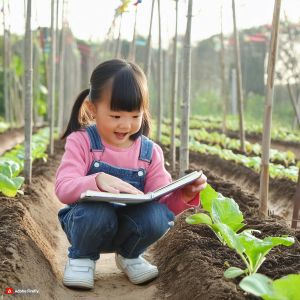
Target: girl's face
(115, 127)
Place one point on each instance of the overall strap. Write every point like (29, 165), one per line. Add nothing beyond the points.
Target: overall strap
(146, 149)
(95, 140)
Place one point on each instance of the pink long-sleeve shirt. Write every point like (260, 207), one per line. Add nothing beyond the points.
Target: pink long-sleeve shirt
(72, 178)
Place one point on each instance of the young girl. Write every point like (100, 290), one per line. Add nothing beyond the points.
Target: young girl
(107, 149)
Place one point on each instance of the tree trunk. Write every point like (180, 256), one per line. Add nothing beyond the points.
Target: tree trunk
(185, 107)
(147, 65)
(266, 138)
(160, 75)
(239, 79)
(52, 79)
(28, 96)
(174, 93)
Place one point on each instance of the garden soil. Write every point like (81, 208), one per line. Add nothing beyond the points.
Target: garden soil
(190, 259)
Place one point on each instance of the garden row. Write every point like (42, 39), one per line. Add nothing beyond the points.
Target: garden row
(220, 140)
(223, 216)
(215, 124)
(252, 162)
(12, 163)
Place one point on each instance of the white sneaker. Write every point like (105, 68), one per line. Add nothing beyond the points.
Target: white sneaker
(138, 270)
(79, 273)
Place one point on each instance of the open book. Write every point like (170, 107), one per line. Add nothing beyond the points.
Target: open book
(135, 199)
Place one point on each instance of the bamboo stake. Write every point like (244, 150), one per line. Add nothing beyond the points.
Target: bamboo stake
(266, 138)
(147, 64)
(185, 107)
(52, 79)
(296, 209)
(28, 96)
(223, 80)
(160, 78)
(131, 55)
(119, 41)
(61, 81)
(5, 66)
(174, 92)
(239, 79)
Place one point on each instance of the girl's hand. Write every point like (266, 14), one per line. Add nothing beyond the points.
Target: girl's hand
(190, 191)
(115, 185)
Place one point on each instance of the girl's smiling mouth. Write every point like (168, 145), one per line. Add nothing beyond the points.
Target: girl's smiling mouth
(120, 135)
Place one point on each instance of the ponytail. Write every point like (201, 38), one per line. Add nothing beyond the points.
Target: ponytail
(74, 122)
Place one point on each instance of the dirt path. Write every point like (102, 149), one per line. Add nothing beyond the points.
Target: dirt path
(34, 248)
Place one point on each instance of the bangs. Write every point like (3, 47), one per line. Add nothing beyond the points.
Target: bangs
(127, 92)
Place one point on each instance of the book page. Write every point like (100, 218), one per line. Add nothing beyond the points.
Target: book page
(179, 183)
(132, 198)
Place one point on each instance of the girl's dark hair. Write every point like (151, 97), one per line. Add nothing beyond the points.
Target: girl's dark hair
(129, 93)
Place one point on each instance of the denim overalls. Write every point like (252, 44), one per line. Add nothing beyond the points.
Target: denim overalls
(98, 227)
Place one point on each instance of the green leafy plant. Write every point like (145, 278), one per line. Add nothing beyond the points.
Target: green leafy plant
(12, 163)
(285, 288)
(226, 220)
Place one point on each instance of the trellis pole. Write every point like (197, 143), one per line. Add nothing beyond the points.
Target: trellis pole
(239, 79)
(174, 92)
(28, 96)
(185, 107)
(266, 138)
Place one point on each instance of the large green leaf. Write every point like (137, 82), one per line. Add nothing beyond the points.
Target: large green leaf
(5, 169)
(230, 237)
(7, 186)
(199, 219)
(207, 195)
(257, 284)
(233, 272)
(226, 210)
(256, 249)
(285, 288)
(288, 287)
(18, 181)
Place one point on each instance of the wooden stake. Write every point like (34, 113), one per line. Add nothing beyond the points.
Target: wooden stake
(52, 78)
(185, 107)
(28, 96)
(239, 80)
(174, 93)
(296, 209)
(266, 138)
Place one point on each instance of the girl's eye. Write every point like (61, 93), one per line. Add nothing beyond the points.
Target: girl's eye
(116, 117)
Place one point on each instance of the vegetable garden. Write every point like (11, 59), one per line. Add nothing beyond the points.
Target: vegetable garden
(243, 242)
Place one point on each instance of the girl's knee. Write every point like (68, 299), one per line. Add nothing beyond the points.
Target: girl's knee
(156, 221)
(96, 216)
